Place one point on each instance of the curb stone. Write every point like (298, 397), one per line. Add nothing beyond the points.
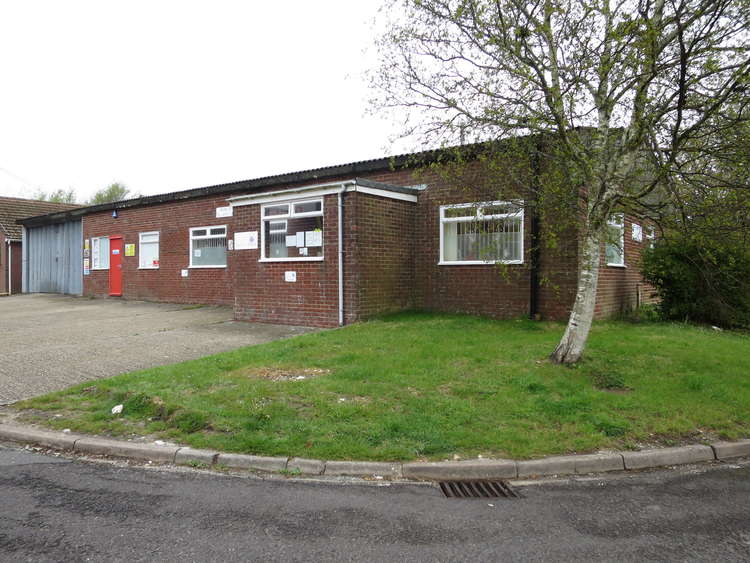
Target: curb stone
(667, 456)
(306, 466)
(461, 470)
(363, 469)
(147, 452)
(424, 471)
(185, 455)
(254, 462)
(728, 450)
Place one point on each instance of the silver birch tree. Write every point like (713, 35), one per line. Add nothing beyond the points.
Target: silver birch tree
(625, 88)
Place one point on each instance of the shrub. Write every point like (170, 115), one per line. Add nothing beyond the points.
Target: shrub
(700, 281)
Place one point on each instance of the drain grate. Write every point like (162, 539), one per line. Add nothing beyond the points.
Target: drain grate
(477, 489)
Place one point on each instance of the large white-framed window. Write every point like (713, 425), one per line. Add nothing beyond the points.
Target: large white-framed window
(292, 231)
(481, 233)
(148, 250)
(100, 253)
(208, 247)
(614, 248)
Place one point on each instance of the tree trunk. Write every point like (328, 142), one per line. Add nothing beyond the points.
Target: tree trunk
(571, 346)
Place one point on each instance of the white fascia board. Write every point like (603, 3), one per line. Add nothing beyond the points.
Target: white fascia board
(317, 190)
(384, 193)
(284, 195)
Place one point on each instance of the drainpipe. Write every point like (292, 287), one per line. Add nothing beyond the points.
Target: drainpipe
(10, 268)
(341, 253)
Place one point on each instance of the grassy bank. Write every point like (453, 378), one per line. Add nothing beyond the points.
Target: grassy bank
(430, 386)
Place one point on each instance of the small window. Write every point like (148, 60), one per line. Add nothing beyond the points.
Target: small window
(293, 231)
(208, 247)
(481, 233)
(100, 253)
(148, 250)
(650, 235)
(615, 243)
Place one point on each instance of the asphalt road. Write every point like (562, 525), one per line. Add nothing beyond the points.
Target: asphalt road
(55, 509)
(50, 342)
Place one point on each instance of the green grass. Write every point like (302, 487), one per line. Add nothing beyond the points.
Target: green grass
(431, 386)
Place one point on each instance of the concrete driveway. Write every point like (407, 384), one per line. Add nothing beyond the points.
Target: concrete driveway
(49, 342)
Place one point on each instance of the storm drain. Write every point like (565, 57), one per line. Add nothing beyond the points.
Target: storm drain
(477, 489)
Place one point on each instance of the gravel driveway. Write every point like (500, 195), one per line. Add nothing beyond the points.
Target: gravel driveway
(49, 342)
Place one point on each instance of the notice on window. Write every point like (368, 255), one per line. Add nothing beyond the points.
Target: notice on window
(300, 239)
(291, 240)
(197, 253)
(246, 240)
(129, 250)
(314, 238)
(637, 232)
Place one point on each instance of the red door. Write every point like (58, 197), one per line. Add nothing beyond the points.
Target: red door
(115, 265)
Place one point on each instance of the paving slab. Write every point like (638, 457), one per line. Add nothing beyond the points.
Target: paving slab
(667, 456)
(44, 336)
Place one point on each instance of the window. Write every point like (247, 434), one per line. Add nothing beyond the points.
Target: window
(615, 243)
(100, 253)
(148, 250)
(650, 235)
(208, 247)
(481, 233)
(292, 231)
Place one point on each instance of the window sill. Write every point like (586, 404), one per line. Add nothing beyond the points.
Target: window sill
(481, 263)
(204, 267)
(301, 259)
(616, 266)
(99, 269)
(147, 268)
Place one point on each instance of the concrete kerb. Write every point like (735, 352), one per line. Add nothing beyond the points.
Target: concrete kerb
(422, 471)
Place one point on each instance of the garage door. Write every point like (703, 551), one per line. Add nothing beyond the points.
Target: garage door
(53, 259)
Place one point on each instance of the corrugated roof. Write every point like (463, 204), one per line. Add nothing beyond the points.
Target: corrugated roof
(14, 208)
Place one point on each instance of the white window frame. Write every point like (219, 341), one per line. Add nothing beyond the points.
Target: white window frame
(650, 235)
(158, 249)
(617, 220)
(98, 244)
(206, 236)
(478, 216)
(291, 214)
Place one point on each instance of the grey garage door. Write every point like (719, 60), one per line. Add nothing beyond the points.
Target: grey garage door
(53, 259)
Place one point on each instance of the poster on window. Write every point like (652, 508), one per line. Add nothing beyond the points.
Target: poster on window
(637, 232)
(314, 238)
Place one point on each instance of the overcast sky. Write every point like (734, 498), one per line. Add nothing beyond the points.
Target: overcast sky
(167, 95)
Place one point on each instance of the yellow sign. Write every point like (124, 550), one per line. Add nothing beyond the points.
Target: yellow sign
(129, 250)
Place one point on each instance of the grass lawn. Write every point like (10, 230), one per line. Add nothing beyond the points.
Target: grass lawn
(431, 386)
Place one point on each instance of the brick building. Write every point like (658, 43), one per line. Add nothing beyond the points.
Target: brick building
(335, 245)
(11, 210)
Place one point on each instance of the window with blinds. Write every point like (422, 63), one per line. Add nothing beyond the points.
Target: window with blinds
(481, 233)
(292, 231)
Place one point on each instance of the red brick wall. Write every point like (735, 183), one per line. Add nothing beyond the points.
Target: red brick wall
(619, 287)
(262, 295)
(16, 264)
(3, 264)
(384, 266)
(211, 286)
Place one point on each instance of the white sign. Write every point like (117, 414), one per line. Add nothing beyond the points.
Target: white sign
(314, 238)
(184, 273)
(290, 276)
(291, 240)
(300, 239)
(246, 241)
(637, 232)
(224, 211)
